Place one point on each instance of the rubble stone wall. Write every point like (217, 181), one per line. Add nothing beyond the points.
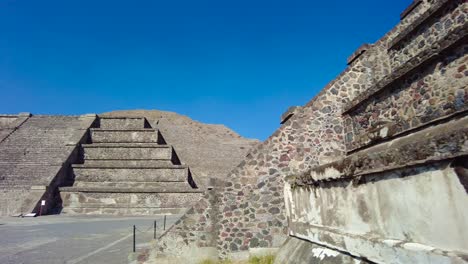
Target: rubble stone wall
(397, 196)
(436, 90)
(368, 163)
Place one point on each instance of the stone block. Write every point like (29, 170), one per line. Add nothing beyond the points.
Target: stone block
(124, 136)
(128, 163)
(38, 187)
(122, 211)
(126, 203)
(134, 151)
(119, 123)
(135, 185)
(137, 174)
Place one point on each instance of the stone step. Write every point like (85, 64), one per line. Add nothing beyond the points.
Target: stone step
(127, 190)
(124, 203)
(122, 122)
(18, 185)
(122, 211)
(132, 184)
(33, 174)
(128, 163)
(31, 150)
(172, 173)
(23, 182)
(127, 151)
(27, 160)
(28, 163)
(124, 136)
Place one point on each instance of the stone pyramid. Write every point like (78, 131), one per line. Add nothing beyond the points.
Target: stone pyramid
(128, 169)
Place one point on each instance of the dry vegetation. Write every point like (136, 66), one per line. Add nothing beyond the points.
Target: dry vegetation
(269, 259)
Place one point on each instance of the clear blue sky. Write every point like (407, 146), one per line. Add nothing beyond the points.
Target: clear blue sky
(241, 63)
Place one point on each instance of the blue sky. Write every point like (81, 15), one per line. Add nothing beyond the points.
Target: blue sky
(240, 63)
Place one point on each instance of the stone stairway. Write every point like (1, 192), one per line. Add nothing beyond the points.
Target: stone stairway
(34, 161)
(128, 169)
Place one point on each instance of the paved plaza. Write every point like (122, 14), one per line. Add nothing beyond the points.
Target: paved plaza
(74, 240)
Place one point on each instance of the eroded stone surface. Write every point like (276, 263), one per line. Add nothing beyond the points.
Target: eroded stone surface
(297, 251)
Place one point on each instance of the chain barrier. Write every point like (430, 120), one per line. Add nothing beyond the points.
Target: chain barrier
(147, 230)
(154, 227)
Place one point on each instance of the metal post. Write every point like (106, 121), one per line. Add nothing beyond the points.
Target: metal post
(155, 227)
(164, 222)
(134, 238)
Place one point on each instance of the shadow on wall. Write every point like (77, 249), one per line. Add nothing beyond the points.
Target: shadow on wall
(460, 166)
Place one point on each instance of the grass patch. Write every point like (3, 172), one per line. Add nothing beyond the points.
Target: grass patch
(269, 259)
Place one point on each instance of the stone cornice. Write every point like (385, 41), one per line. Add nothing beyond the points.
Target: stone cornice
(361, 50)
(408, 31)
(410, 8)
(453, 39)
(437, 143)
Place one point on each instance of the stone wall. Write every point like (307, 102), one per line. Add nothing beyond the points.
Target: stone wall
(412, 101)
(201, 242)
(369, 164)
(439, 20)
(397, 196)
(412, 215)
(429, 84)
(252, 212)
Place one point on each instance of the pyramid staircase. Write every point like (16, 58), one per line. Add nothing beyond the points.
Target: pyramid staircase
(35, 155)
(128, 169)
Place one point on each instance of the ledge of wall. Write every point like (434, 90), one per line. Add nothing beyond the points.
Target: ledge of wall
(289, 113)
(437, 6)
(361, 50)
(433, 144)
(456, 36)
(410, 8)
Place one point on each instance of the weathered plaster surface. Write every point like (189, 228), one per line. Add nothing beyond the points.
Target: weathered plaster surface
(297, 251)
(422, 207)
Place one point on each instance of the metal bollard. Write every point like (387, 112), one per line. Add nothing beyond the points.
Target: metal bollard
(155, 227)
(134, 238)
(164, 222)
